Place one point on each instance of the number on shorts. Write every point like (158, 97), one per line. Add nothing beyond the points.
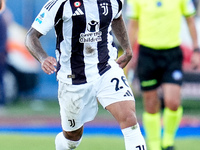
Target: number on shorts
(117, 87)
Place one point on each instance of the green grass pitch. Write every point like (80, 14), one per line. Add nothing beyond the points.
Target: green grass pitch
(46, 142)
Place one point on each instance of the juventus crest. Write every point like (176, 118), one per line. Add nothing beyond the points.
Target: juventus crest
(104, 6)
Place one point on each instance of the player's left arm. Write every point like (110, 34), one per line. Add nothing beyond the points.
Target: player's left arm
(195, 60)
(119, 29)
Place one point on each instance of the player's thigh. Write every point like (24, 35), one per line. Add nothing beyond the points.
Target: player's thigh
(113, 87)
(114, 94)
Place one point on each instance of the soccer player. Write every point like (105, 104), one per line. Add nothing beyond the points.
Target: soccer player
(86, 66)
(157, 24)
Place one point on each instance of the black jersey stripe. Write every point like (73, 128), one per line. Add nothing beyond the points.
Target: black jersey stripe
(105, 16)
(77, 56)
(58, 22)
(58, 29)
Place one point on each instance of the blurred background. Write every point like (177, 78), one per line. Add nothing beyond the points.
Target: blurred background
(29, 78)
(30, 100)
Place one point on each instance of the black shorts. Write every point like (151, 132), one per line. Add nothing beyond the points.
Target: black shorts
(159, 66)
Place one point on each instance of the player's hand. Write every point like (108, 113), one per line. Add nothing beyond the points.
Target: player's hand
(195, 60)
(49, 65)
(124, 59)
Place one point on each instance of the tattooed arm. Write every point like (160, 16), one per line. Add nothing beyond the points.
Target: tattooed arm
(34, 46)
(119, 29)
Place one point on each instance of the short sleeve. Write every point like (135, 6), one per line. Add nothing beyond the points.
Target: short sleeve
(187, 7)
(121, 3)
(44, 22)
(132, 10)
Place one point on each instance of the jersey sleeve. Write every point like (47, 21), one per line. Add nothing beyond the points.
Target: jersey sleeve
(188, 8)
(44, 21)
(132, 10)
(121, 3)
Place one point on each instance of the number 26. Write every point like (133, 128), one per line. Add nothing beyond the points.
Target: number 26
(117, 87)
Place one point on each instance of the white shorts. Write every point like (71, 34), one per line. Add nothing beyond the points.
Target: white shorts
(78, 103)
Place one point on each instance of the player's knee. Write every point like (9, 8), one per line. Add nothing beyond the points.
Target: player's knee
(152, 106)
(63, 143)
(73, 135)
(132, 118)
(128, 120)
(173, 104)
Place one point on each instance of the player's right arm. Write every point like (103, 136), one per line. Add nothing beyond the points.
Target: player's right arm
(34, 46)
(43, 23)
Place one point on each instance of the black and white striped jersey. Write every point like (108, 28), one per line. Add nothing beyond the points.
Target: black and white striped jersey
(84, 48)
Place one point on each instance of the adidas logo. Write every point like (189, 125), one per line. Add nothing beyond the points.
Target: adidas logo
(78, 12)
(128, 93)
